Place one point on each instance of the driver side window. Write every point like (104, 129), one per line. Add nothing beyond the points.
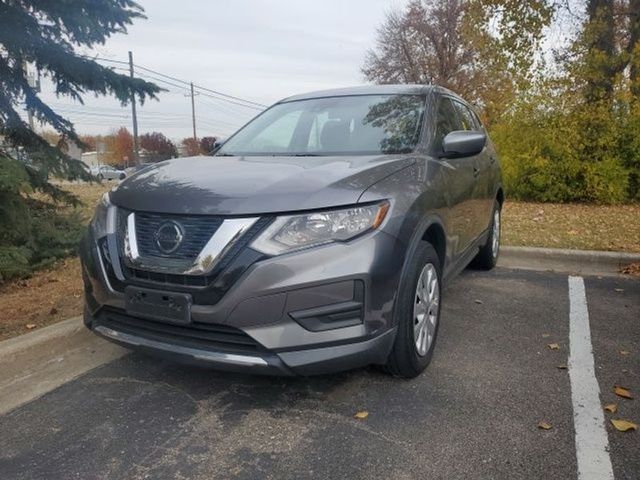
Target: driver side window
(447, 121)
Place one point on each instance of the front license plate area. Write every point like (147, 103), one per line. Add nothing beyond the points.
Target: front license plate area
(157, 305)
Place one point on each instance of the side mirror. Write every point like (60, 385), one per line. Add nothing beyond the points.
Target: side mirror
(217, 145)
(463, 143)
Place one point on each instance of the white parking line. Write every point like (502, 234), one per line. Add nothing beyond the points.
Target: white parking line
(592, 445)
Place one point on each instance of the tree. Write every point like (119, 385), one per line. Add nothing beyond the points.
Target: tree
(45, 36)
(90, 142)
(158, 146)
(482, 49)
(191, 146)
(207, 144)
(122, 147)
(633, 47)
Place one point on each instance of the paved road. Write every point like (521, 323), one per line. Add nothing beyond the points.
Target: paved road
(473, 414)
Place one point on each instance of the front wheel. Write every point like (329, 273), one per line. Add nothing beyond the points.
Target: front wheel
(487, 257)
(418, 313)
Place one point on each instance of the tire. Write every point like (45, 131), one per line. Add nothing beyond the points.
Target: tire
(488, 255)
(122, 176)
(407, 359)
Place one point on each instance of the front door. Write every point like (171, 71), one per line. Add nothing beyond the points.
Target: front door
(482, 171)
(457, 181)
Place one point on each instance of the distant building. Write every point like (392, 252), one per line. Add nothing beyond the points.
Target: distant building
(91, 159)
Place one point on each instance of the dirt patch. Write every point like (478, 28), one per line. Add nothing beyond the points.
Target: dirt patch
(49, 296)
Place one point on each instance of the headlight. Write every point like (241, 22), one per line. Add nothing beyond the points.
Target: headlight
(295, 232)
(104, 219)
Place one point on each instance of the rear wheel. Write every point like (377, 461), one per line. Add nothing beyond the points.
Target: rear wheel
(418, 312)
(487, 257)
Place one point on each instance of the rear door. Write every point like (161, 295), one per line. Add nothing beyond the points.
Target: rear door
(483, 189)
(458, 180)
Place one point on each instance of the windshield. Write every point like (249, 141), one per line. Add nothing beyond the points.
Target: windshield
(353, 125)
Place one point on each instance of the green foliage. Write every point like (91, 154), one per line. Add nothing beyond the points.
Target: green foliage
(45, 36)
(32, 232)
(584, 152)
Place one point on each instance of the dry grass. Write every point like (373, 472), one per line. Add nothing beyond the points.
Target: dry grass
(583, 227)
(55, 294)
(88, 194)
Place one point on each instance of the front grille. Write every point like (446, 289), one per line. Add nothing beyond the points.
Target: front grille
(195, 335)
(197, 232)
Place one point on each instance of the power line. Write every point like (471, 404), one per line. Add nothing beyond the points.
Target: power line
(226, 97)
(202, 88)
(216, 100)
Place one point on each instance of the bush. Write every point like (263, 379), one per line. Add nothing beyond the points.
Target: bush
(582, 154)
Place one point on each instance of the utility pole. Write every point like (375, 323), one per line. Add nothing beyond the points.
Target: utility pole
(193, 111)
(136, 155)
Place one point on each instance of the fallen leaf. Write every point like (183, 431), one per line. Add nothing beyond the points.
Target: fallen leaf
(544, 425)
(624, 352)
(562, 367)
(31, 326)
(361, 415)
(553, 346)
(622, 392)
(611, 407)
(623, 425)
(479, 302)
(53, 311)
(546, 335)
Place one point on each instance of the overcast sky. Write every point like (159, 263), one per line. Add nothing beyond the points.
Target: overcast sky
(260, 50)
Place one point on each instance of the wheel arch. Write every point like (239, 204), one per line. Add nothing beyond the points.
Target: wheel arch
(500, 196)
(435, 235)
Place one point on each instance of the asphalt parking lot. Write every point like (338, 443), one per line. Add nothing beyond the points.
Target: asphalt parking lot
(473, 414)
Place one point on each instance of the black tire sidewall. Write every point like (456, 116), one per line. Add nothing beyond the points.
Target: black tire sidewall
(406, 362)
(485, 259)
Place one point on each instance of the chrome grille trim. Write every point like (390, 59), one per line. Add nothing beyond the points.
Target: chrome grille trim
(224, 238)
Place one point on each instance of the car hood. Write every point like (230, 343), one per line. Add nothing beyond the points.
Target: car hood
(252, 184)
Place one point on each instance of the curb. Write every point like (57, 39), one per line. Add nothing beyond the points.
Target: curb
(37, 362)
(586, 262)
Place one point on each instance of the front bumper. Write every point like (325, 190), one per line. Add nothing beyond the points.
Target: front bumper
(314, 361)
(278, 303)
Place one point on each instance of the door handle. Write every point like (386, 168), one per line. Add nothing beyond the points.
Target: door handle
(476, 172)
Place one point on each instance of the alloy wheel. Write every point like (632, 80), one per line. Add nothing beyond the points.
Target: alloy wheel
(425, 310)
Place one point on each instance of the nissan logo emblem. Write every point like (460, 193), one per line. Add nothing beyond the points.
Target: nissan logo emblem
(169, 236)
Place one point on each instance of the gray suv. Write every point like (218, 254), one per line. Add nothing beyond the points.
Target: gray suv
(318, 238)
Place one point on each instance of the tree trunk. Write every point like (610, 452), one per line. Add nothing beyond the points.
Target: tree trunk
(634, 47)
